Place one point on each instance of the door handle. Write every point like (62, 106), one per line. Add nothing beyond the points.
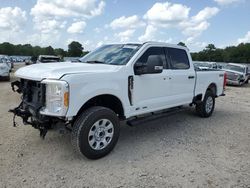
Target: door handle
(190, 77)
(165, 78)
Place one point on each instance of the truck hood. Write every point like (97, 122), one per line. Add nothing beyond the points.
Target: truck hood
(235, 72)
(41, 71)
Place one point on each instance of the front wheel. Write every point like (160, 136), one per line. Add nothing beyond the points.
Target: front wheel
(206, 107)
(95, 132)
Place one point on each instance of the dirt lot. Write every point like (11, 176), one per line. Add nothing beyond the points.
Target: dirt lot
(181, 150)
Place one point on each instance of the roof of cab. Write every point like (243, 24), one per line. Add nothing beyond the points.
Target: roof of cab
(165, 44)
(154, 43)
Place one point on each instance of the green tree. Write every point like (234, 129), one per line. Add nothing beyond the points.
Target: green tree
(75, 49)
(27, 50)
(7, 48)
(49, 51)
(210, 47)
(60, 52)
(208, 52)
(37, 50)
(85, 53)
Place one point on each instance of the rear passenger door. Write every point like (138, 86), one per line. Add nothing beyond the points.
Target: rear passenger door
(182, 76)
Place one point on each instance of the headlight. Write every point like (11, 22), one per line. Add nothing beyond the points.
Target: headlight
(57, 98)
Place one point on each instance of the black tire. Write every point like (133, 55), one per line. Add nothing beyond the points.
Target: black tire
(82, 128)
(201, 107)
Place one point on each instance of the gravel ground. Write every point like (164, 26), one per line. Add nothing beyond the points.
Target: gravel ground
(181, 150)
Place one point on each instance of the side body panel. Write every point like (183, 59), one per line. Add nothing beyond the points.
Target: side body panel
(182, 86)
(151, 92)
(205, 78)
(84, 87)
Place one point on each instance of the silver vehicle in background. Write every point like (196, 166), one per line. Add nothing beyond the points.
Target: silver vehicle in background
(204, 65)
(237, 74)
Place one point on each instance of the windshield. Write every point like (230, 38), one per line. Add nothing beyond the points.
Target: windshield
(235, 68)
(115, 54)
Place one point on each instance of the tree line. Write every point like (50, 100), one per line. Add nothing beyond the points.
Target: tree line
(236, 54)
(75, 49)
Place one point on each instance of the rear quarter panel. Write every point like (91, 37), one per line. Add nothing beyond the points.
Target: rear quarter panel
(205, 78)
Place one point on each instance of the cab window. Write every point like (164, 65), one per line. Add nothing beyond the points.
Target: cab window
(178, 58)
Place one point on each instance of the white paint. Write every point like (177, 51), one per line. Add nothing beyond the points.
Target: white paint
(154, 91)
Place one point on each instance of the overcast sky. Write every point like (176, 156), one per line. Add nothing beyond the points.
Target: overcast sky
(96, 22)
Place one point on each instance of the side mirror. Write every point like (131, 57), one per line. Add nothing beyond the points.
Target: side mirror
(140, 68)
(154, 64)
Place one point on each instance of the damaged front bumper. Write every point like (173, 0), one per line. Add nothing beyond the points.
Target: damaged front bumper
(28, 119)
(33, 100)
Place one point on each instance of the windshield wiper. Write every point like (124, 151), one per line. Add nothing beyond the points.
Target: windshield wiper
(96, 62)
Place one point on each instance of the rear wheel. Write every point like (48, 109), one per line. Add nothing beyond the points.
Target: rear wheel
(206, 107)
(95, 132)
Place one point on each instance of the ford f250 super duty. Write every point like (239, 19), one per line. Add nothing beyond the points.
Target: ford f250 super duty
(113, 83)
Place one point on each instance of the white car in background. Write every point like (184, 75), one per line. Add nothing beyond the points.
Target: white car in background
(8, 60)
(4, 70)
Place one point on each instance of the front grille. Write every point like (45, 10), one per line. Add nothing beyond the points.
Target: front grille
(33, 93)
(232, 76)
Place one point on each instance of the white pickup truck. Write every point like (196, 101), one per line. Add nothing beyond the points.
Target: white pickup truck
(113, 83)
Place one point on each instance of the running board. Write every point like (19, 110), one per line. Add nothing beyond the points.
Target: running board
(154, 115)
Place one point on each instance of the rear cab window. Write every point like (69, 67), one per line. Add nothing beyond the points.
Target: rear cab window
(178, 58)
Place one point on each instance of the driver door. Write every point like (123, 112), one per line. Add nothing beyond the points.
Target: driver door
(151, 91)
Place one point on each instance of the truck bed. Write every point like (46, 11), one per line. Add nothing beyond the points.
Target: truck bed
(206, 77)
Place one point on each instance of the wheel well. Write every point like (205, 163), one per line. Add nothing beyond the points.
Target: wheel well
(108, 101)
(212, 87)
(197, 98)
